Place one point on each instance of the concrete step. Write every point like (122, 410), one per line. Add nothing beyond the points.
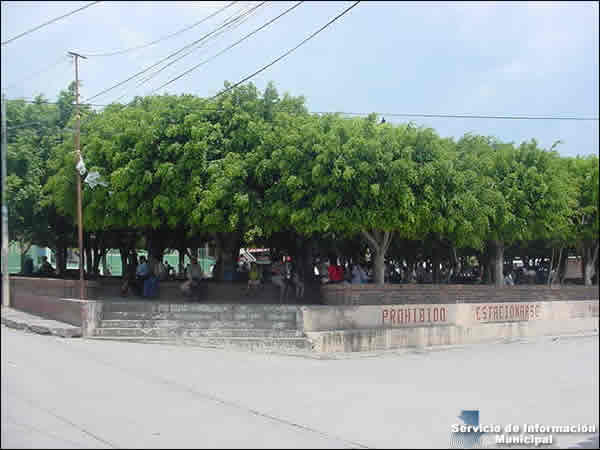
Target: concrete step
(197, 323)
(245, 343)
(201, 316)
(163, 306)
(181, 332)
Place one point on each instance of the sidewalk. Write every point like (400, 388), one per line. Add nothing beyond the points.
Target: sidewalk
(20, 320)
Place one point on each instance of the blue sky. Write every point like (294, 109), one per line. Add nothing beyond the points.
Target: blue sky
(488, 58)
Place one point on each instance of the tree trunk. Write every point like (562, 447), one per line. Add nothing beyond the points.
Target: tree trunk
(379, 268)
(228, 250)
(99, 255)
(124, 251)
(436, 260)
(104, 264)
(562, 266)
(181, 254)
(590, 256)
(554, 276)
(304, 264)
(61, 257)
(23, 249)
(378, 242)
(456, 265)
(497, 260)
(87, 250)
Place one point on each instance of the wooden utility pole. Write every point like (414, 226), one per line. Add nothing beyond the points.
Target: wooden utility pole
(5, 276)
(78, 153)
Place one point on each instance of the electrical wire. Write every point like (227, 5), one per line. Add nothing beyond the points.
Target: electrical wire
(163, 60)
(53, 65)
(49, 22)
(286, 53)
(461, 116)
(243, 18)
(138, 47)
(229, 47)
(437, 116)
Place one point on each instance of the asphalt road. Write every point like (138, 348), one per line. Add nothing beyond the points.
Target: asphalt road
(76, 393)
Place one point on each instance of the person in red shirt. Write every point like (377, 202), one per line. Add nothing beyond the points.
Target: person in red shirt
(336, 272)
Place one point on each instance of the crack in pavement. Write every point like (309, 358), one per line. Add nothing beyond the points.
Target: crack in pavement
(35, 404)
(229, 403)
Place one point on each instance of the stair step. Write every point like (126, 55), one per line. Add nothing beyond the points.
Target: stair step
(199, 324)
(247, 343)
(166, 307)
(185, 332)
(201, 316)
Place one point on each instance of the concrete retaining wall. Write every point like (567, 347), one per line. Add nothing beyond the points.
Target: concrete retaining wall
(52, 298)
(212, 291)
(51, 287)
(71, 311)
(383, 327)
(370, 294)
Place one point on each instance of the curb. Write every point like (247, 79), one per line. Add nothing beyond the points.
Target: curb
(71, 332)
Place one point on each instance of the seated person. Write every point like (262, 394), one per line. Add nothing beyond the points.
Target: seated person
(336, 273)
(194, 277)
(46, 268)
(278, 271)
(160, 271)
(28, 266)
(169, 269)
(142, 273)
(253, 276)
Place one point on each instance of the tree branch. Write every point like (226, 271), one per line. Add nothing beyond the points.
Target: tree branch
(387, 240)
(371, 240)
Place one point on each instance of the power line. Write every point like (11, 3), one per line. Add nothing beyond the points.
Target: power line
(460, 116)
(49, 22)
(245, 15)
(438, 116)
(164, 59)
(228, 48)
(47, 102)
(119, 52)
(286, 53)
(53, 65)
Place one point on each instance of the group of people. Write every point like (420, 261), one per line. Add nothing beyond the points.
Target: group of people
(284, 274)
(145, 281)
(334, 273)
(287, 276)
(44, 269)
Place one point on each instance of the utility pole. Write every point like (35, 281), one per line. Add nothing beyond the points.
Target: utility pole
(78, 153)
(5, 277)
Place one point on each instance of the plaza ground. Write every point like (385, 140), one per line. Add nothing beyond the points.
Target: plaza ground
(78, 393)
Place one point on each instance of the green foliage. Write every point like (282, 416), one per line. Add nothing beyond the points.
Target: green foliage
(258, 164)
(582, 174)
(522, 193)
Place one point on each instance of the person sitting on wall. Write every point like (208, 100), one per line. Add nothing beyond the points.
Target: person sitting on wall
(323, 272)
(359, 276)
(160, 271)
(46, 268)
(169, 269)
(253, 277)
(142, 273)
(191, 287)
(508, 279)
(28, 265)
(336, 272)
(298, 280)
(278, 271)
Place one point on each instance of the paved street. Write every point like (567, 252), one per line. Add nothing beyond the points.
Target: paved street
(75, 393)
